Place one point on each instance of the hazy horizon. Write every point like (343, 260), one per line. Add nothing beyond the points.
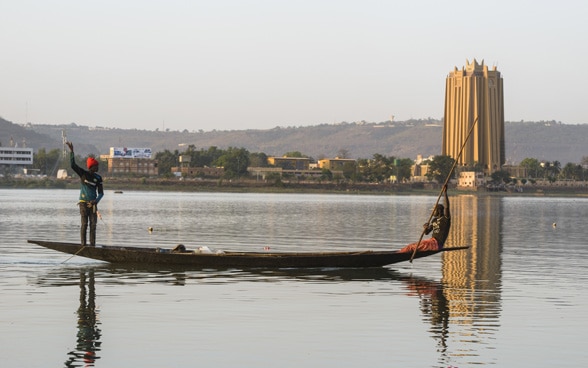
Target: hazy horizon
(233, 65)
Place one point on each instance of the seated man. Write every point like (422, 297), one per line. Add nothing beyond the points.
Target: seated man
(440, 224)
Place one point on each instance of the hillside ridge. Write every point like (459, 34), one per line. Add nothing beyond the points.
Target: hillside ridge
(548, 141)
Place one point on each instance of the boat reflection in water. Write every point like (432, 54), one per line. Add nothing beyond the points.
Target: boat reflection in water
(88, 337)
(434, 307)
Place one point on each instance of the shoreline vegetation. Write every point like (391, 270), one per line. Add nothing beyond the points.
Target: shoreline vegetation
(255, 186)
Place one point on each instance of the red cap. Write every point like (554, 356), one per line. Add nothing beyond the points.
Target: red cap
(91, 161)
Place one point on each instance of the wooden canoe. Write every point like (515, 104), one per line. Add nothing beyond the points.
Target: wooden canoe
(167, 257)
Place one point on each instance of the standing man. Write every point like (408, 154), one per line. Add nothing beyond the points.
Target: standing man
(91, 193)
(440, 225)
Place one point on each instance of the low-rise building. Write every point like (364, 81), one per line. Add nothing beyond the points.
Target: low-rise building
(290, 163)
(470, 180)
(419, 173)
(335, 164)
(130, 162)
(132, 166)
(16, 156)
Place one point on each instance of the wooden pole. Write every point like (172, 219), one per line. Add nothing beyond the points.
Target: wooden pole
(75, 254)
(443, 187)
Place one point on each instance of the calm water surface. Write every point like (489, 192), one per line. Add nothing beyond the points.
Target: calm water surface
(517, 298)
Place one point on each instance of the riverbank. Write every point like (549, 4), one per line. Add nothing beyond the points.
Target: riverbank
(254, 186)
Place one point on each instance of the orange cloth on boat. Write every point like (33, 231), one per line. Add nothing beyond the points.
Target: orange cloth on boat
(426, 244)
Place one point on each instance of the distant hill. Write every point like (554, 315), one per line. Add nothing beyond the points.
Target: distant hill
(549, 141)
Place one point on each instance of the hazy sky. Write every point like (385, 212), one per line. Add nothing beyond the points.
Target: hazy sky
(242, 64)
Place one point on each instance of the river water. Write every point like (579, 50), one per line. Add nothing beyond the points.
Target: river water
(516, 298)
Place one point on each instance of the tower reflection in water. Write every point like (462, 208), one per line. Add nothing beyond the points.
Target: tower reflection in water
(472, 280)
(88, 337)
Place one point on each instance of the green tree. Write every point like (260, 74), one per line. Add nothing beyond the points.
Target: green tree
(203, 157)
(48, 162)
(403, 169)
(378, 169)
(555, 169)
(165, 161)
(274, 177)
(501, 177)
(361, 170)
(235, 162)
(258, 159)
(533, 167)
(440, 168)
(572, 171)
(349, 170)
(326, 174)
(194, 154)
(213, 154)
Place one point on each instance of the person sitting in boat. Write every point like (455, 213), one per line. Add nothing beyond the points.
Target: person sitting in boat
(91, 193)
(439, 225)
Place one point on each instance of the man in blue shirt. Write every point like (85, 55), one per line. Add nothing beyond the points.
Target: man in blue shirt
(91, 193)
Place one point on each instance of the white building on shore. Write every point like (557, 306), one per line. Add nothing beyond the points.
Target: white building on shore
(16, 156)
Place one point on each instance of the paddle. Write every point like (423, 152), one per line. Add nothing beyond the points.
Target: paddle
(443, 188)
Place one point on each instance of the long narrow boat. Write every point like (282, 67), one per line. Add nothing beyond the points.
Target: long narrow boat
(197, 259)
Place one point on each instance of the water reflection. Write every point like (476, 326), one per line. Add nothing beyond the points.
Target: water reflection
(434, 306)
(461, 311)
(88, 337)
(177, 276)
(473, 279)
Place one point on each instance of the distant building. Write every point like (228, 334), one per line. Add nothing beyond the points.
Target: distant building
(335, 164)
(470, 93)
(132, 166)
(470, 180)
(16, 156)
(123, 161)
(420, 159)
(420, 168)
(419, 173)
(290, 163)
(299, 167)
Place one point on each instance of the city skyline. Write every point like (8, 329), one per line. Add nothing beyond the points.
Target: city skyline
(235, 65)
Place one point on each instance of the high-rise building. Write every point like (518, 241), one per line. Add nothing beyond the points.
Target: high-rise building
(475, 92)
